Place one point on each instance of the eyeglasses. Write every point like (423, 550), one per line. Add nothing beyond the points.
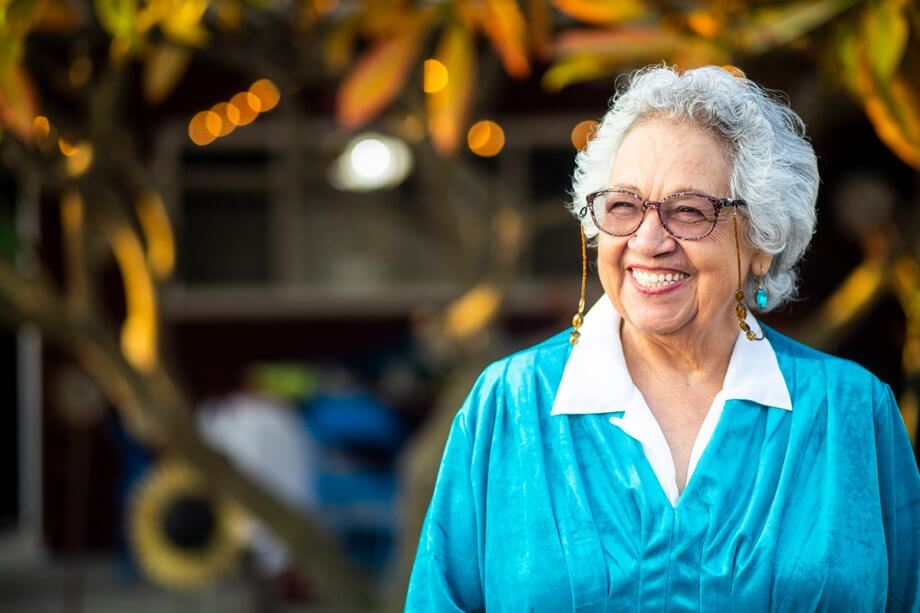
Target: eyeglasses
(684, 215)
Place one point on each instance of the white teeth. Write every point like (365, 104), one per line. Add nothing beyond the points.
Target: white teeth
(653, 280)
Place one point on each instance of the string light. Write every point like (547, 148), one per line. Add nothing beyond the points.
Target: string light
(267, 93)
(229, 117)
(242, 109)
(204, 127)
(247, 106)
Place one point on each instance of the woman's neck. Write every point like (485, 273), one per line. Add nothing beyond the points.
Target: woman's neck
(695, 354)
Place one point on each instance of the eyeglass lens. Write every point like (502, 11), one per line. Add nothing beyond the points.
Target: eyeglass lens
(685, 216)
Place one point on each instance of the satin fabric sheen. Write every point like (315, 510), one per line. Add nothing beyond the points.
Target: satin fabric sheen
(812, 509)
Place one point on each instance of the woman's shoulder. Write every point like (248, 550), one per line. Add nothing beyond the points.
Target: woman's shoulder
(813, 368)
(514, 375)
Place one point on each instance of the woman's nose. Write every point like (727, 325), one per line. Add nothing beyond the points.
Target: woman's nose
(651, 238)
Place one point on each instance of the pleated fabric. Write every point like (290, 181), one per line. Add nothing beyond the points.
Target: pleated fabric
(815, 509)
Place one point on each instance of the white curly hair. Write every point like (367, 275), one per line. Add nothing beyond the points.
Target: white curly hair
(774, 168)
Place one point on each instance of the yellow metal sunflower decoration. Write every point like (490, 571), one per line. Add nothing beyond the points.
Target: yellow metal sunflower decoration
(183, 536)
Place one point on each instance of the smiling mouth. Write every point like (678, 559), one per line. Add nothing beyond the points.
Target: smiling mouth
(657, 280)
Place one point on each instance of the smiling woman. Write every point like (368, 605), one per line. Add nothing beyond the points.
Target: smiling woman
(669, 451)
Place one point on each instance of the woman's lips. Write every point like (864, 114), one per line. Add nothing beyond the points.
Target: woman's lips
(656, 291)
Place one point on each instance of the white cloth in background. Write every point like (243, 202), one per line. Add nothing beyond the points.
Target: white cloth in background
(267, 440)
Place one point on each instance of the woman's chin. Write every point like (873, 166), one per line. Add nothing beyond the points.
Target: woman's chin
(657, 319)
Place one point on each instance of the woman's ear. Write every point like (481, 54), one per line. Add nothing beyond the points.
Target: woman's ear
(760, 263)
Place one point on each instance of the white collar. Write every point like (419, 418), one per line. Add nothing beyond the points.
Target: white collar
(596, 380)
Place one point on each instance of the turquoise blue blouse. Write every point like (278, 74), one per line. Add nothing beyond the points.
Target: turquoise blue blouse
(812, 509)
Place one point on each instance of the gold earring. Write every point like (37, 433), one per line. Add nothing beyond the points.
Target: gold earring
(578, 318)
(740, 309)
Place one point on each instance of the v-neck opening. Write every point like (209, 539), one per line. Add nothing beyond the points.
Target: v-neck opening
(689, 487)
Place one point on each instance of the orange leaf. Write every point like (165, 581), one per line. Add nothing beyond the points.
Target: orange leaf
(506, 29)
(708, 24)
(601, 12)
(541, 28)
(55, 16)
(627, 42)
(892, 105)
(18, 101)
(378, 77)
(448, 108)
(894, 115)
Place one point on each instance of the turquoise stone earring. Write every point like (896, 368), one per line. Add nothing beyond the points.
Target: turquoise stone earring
(760, 297)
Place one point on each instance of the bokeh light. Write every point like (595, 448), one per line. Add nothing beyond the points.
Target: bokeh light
(204, 127)
(485, 138)
(79, 161)
(267, 93)
(247, 106)
(66, 147)
(229, 117)
(435, 76)
(583, 132)
(371, 161)
(41, 126)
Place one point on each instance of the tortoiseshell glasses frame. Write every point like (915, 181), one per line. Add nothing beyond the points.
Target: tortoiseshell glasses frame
(717, 205)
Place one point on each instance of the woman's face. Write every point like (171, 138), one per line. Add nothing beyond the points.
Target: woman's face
(657, 158)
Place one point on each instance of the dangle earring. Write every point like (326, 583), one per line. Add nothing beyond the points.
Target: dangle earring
(740, 309)
(760, 297)
(578, 318)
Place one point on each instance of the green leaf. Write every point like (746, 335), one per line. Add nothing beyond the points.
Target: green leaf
(885, 31)
(118, 17)
(776, 26)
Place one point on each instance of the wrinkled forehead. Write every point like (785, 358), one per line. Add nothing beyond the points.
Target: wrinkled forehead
(660, 156)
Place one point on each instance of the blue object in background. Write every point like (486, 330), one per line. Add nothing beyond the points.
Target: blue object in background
(356, 478)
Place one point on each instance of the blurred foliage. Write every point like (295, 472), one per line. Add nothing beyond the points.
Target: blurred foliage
(66, 128)
(375, 48)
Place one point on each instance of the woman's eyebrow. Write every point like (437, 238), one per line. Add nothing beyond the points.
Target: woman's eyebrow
(633, 188)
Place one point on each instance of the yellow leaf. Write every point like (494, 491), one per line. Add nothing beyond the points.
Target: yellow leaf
(448, 108)
(158, 234)
(378, 77)
(183, 23)
(601, 12)
(339, 43)
(472, 311)
(853, 294)
(575, 69)
(506, 30)
(164, 66)
(139, 330)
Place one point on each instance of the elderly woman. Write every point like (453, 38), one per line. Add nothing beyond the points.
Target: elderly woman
(670, 452)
